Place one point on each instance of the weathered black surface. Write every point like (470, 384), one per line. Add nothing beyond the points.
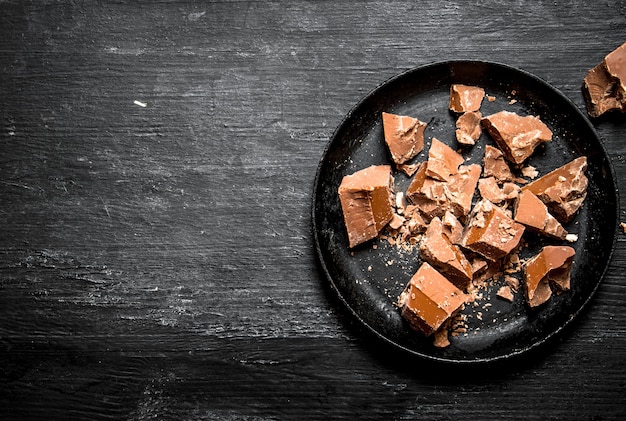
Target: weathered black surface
(157, 262)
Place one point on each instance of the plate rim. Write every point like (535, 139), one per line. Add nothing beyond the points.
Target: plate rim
(329, 278)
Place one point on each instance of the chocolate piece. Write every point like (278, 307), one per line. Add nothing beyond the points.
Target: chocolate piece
(506, 293)
(546, 272)
(462, 187)
(533, 213)
(443, 161)
(562, 190)
(494, 165)
(468, 128)
(429, 299)
(437, 249)
(465, 98)
(452, 227)
(489, 189)
(434, 197)
(404, 136)
(604, 86)
(517, 136)
(491, 232)
(366, 202)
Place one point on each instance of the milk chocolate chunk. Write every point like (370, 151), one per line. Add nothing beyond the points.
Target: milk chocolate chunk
(533, 213)
(462, 188)
(547, 272)
(491, 232)
(437, 249)
(604, 86)
(494, 165)
(465, 98)
(516, 136)
(443, 161)
(489, 189)
(452, 228)
(434, 197)
(404, 136)
(429, 299)
(366, 202)
(468, 128)
(562, 190)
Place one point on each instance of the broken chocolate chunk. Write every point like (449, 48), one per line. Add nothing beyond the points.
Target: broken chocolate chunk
(489, 189)
(491, 232)
(429, 299)
(443, 161)
(437, 249)
(516, 136)
(494, 165)
(468, 128)
(547, 272)
(366, 202)
(533, 213)
(452, 228)
(604, 86)
(465, 98)
(562, 190)
(404, 136)
(434, 197)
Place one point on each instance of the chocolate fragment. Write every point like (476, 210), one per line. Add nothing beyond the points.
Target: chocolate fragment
(506, 293)
(468, 128)
(404, 136)
(491, 232)
(366, 202)
(562, 190)
(437, 249)
(547, 272)
(489, 189)
(494, 165)
(517, 136)
(604, 86)
(429, 299)
(434, 197)
(533, 213)
(443, 161)
(465, 98)
(452, 228)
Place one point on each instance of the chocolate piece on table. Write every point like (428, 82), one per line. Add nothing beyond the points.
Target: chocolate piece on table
(562, 190)
(366, 202)
(604, 86)
(468, 128)
(533, 213)
(404, 136)
(429, 299)
(516, 136)
(491, 232)
(437, 249)
(465, 98)
(494, 165)
(546, 272)
(443, 161)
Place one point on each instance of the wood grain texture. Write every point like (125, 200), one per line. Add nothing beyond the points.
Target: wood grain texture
(157, 262)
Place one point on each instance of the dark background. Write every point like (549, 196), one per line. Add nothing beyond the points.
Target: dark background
(157, 262)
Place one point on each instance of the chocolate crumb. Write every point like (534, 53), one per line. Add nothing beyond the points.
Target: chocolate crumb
(505, 293)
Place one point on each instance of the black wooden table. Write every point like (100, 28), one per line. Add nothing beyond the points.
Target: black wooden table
(156, 172)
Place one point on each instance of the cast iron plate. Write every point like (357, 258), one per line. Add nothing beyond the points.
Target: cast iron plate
(369, 278)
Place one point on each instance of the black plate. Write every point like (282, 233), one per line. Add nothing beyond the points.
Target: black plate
(369, 278)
